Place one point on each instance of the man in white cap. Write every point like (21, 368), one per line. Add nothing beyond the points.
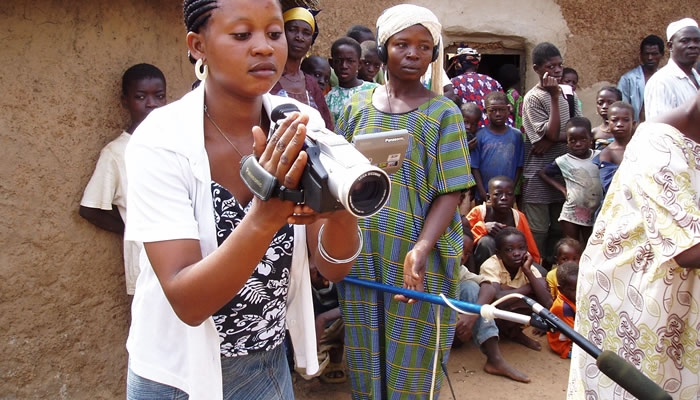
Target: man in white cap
(678, 81)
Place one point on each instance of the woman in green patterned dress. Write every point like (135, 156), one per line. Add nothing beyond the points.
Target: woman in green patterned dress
(415, 241)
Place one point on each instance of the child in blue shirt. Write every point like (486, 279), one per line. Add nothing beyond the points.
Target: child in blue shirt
(499, 148)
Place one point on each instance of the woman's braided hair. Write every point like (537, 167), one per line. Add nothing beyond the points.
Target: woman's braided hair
(197, 13)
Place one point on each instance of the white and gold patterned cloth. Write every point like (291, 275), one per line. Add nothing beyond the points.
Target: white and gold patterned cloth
(633, 298)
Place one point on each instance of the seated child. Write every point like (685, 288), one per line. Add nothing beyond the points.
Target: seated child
(319, 68)
(583, 191)
(472, 116)
(476, 289)
(569, 76)
(510, 270)
(566, 249)
(499, 148)
(345, 60)
(370, 64)
(605, 98)
(622, 125)
(487, 220)
(564, 307)
(104, 200)
(330, 330)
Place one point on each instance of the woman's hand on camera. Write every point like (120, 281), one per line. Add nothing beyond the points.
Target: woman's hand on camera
(283, 158)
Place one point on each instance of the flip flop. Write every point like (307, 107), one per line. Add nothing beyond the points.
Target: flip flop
(334, 373)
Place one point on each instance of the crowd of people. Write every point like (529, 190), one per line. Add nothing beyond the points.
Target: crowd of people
(499, 194)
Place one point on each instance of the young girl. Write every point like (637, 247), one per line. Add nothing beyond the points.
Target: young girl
(583, 192)
(208, 316)
(569, 76)
(416, 240)
(602, 136)
(622, 124)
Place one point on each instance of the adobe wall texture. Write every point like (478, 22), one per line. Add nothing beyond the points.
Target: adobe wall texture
(63, 308)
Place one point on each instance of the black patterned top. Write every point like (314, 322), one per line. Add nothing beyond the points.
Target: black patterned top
(254, 320)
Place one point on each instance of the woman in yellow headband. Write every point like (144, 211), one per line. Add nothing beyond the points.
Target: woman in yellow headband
(300, 29)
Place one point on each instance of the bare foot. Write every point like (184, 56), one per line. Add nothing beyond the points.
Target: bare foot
(522, 338)
(502, 368)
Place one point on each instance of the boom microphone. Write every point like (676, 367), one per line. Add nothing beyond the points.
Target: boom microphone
(609, 363)
(629, 377)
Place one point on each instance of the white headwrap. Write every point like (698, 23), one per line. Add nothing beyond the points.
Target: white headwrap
(395, 19)
(674, 27)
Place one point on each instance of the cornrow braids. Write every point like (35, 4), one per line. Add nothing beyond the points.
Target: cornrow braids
(197, 13)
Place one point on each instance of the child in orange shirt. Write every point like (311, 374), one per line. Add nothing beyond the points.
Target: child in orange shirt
(487, 220)
(566, 249)
(564, 307)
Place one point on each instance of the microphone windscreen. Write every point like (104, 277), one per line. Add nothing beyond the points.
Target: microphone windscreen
(630, 378)
(280, 112)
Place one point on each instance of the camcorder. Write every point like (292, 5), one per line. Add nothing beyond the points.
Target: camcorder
(336, 175)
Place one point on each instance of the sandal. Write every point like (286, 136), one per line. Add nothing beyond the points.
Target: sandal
(334, 373)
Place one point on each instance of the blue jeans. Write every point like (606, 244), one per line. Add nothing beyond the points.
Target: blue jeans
(262, 375)
(482, 330)
(138, 388)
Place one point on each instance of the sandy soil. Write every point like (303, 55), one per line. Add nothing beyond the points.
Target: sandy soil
(548, 372)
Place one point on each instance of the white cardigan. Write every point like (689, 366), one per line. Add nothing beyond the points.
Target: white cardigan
(169, 197)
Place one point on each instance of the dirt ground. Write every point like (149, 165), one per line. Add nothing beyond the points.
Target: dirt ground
(548, 373)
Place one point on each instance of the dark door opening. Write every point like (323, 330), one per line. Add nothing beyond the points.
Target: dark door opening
(490, 65)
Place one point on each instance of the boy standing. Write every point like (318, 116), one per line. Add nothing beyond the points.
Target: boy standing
(583, 191)
(545, 114)
(104, 199)
(345, 60)
(499, 148)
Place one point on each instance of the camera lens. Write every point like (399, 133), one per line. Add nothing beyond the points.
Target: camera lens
(369, 193)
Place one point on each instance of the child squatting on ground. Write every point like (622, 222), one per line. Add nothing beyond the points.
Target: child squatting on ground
(510, 270)
(567, 249)
(474, 288)
(564, 307)
(487, 220)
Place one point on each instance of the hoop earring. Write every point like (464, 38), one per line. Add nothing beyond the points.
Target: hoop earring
(201, 70)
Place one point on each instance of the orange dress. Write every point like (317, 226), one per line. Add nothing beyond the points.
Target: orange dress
(566, 311)
(476, 219)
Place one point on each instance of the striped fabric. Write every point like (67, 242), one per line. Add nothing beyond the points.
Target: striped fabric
(536, 108)
(437, 162)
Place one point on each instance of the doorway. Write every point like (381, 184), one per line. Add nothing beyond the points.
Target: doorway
(493, 56)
